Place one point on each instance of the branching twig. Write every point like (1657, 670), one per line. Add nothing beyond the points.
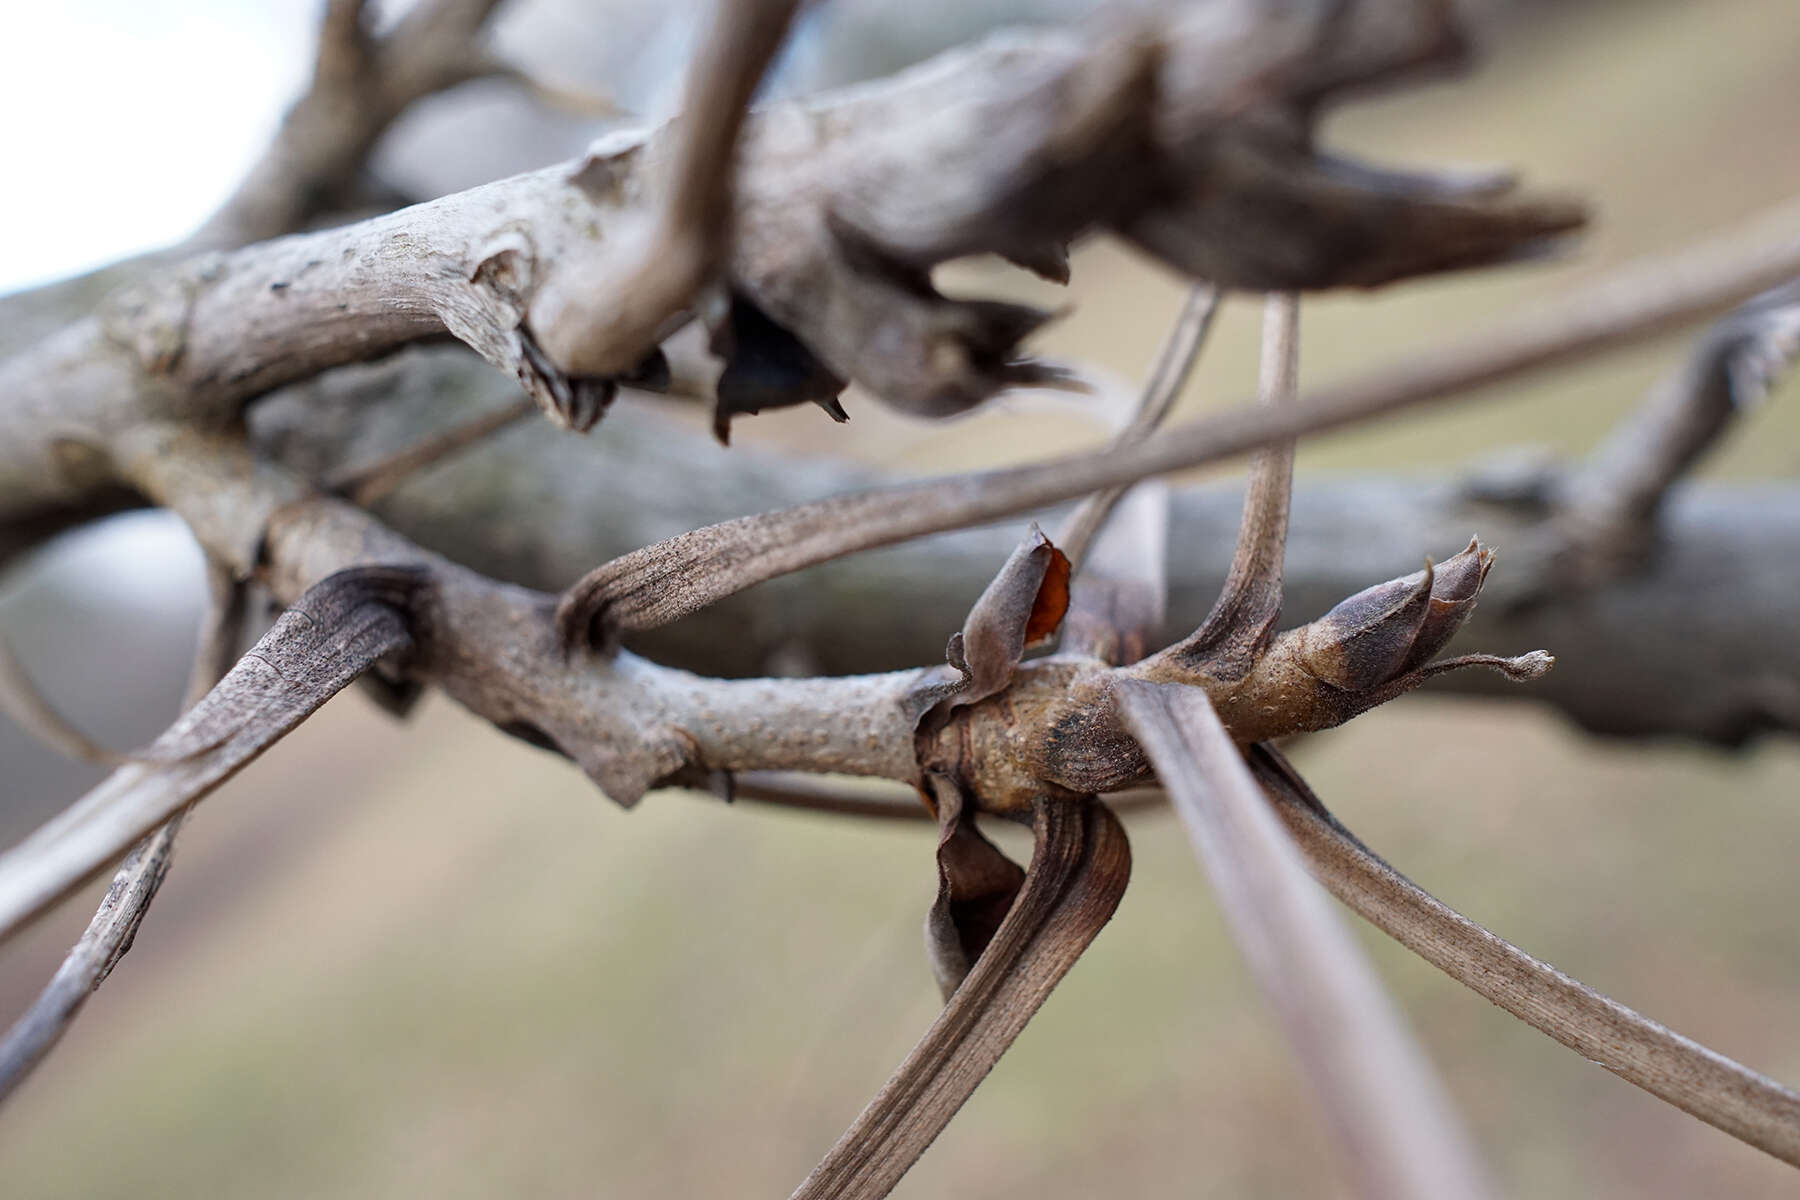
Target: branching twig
(114, 927)
(1605, 510)
(1731, 1097)
(1399, 1128)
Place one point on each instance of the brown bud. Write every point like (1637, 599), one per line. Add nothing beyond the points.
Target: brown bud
(1368, 639)
(1458, 582)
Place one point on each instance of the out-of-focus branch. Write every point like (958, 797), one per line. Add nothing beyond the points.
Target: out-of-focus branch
(361, 84)
(1400, 1131)
(114, 927)
(366, 483)
(23, 701)
(1605, 512)
(1723, 1093)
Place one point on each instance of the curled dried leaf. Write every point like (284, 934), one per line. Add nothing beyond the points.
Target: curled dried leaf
(977, 885)
(1023, 607)
(1265, 215)
(335, 632)
(1080, 864)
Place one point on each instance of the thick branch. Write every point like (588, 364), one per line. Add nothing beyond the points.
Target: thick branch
(844, 207)
(601, 312)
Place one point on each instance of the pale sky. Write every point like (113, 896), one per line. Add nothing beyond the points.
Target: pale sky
(129, 120)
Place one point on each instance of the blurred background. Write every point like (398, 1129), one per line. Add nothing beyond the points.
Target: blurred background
(425, 959)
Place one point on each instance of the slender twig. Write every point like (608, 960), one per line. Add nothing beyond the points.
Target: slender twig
(1723, 1093)
(1117, 539)
(675, 578)
(368, 483)
(1243, 618)
(23, 701)
(785, 789)
(878, 799)
(361, 85)
(1380, 1093)
(574, 102)
(115, 924)
(1174, 363)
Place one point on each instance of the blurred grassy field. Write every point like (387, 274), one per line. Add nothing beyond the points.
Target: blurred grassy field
(428, 960)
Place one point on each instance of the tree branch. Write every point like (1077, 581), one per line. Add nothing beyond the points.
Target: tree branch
(361, 84)
(837, 197)
(1605, 511)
